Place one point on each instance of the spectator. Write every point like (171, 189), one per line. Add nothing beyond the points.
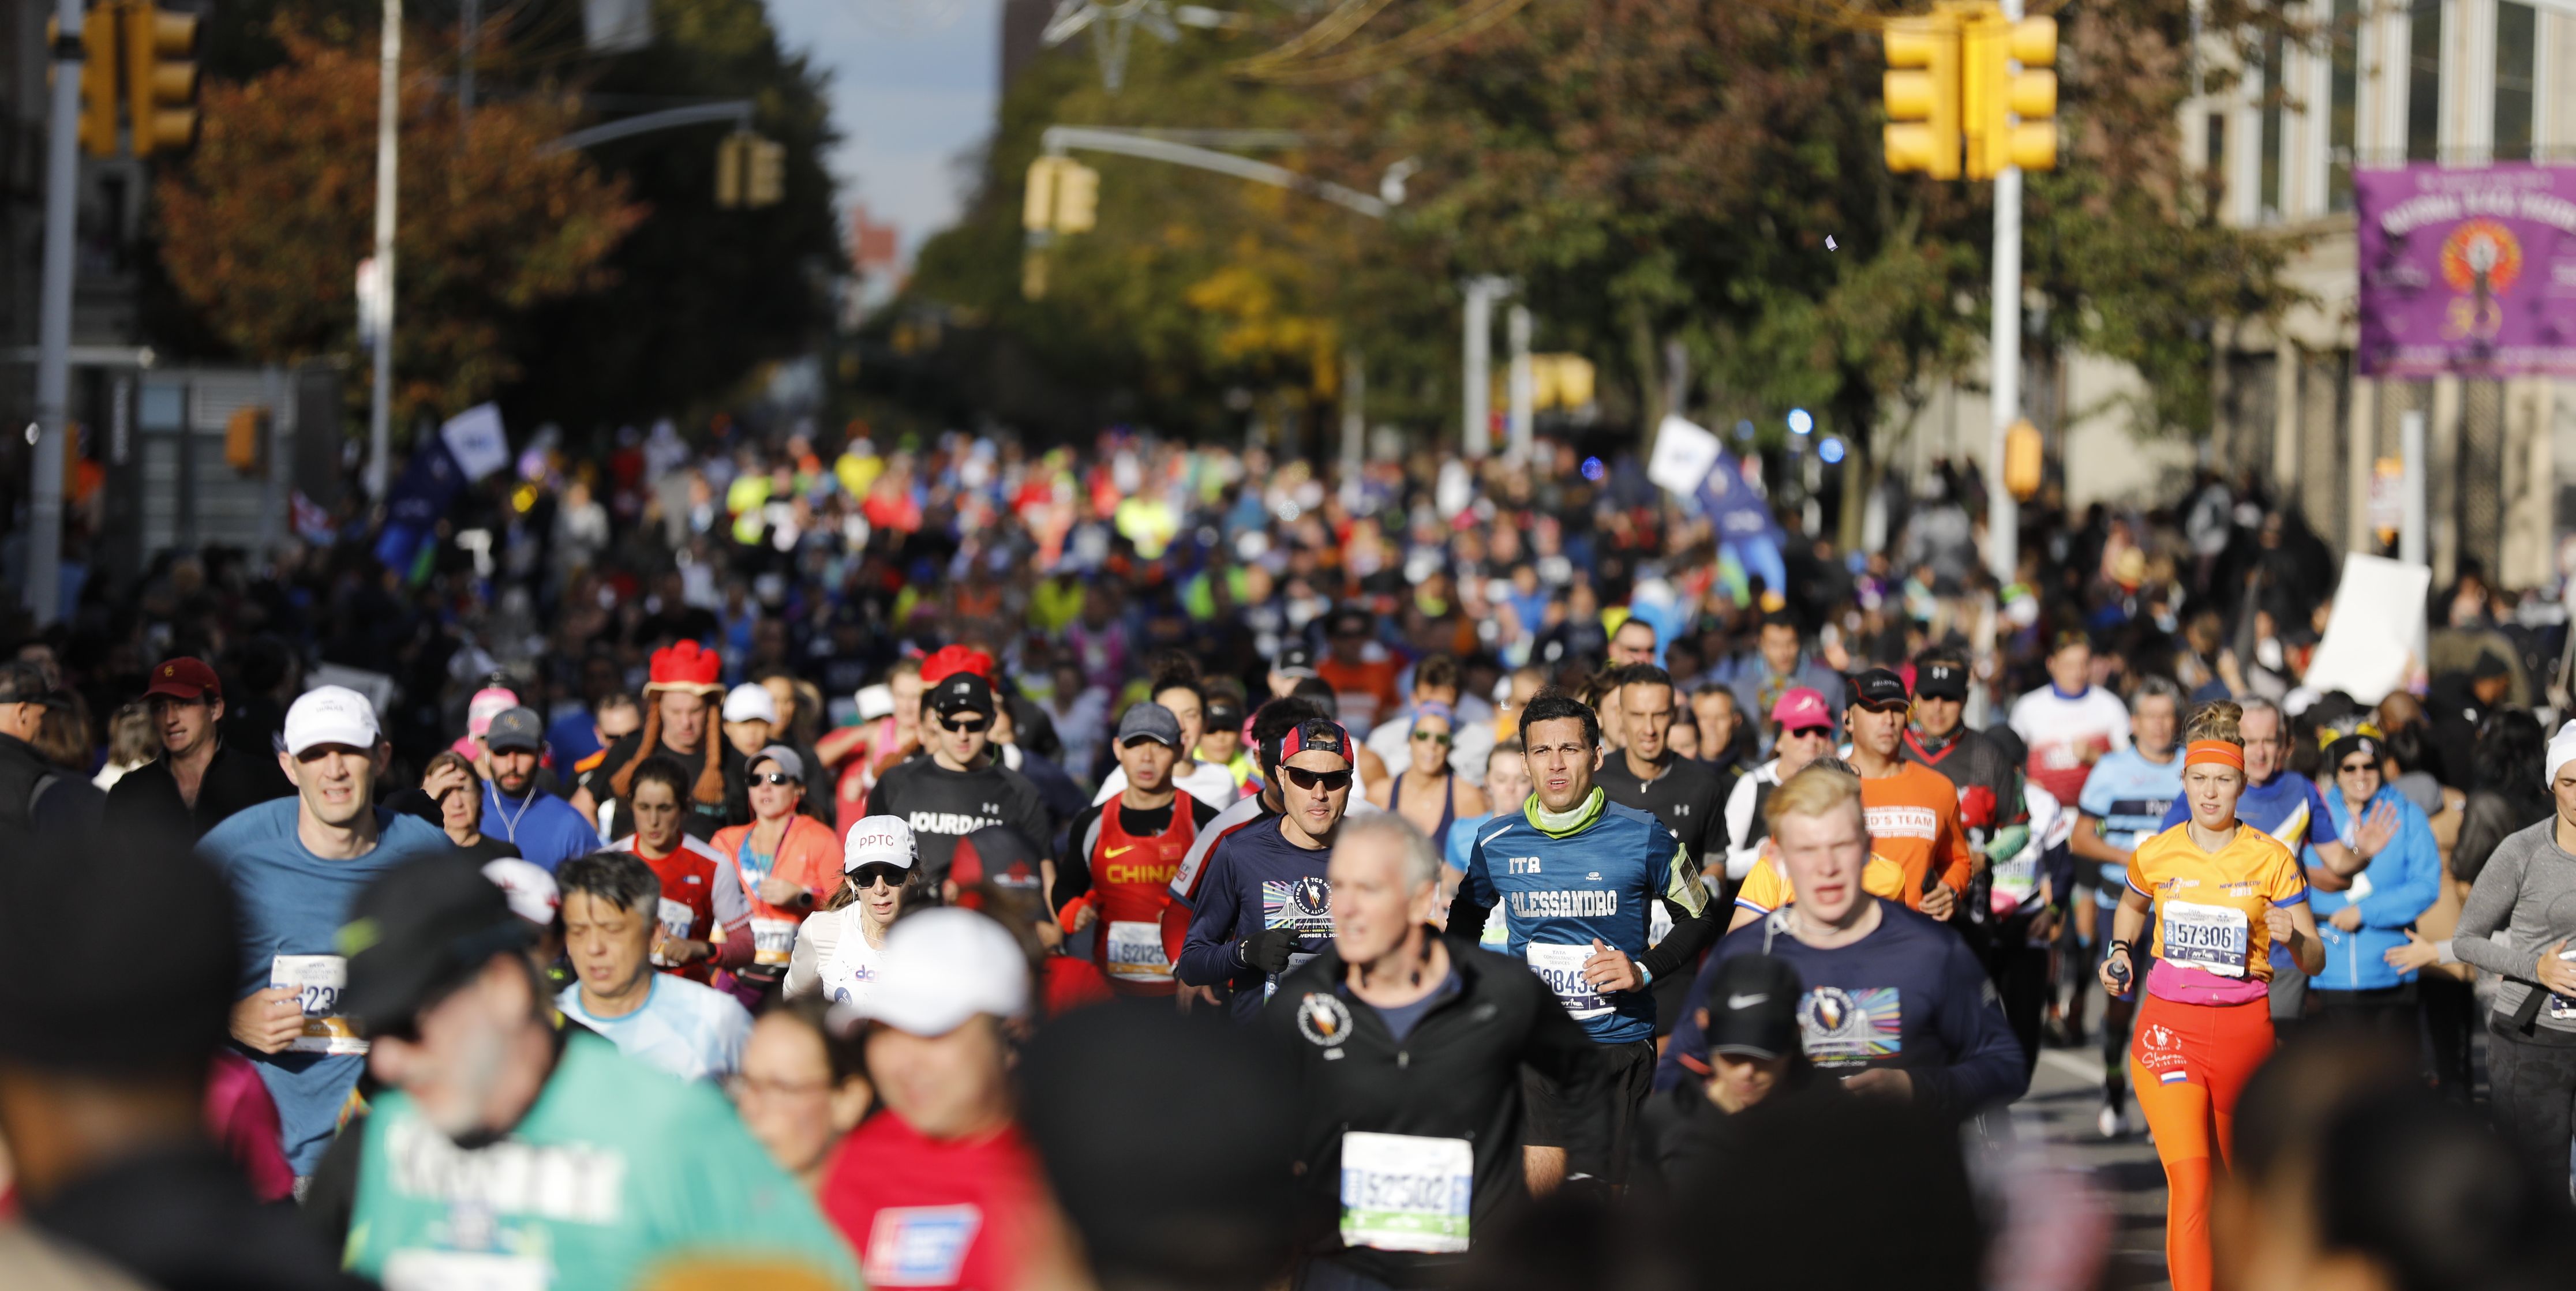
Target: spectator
(1778, 666)
(132, 740)
(36, 796)
(543, 827)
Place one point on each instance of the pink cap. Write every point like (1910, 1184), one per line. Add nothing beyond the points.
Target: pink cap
(1801, 706)
(488, 703)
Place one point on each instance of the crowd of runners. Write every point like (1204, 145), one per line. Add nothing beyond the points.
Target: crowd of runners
(1164, 867)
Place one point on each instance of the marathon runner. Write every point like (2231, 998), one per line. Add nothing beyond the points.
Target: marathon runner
(1272, 721)
(544, 828)
(784, 860)
(801, 1089)
(2204, 1025)
(1409, 1047)
(1750, 1025)
(1895, 1003)
(1912, 811)
(940, 1189)
(485, 1097)
(960, 788)
(1578, 876)
(1260, 903)
(705, 913)
(295, 865)
(2124, 800)
(1507, 779)
(451, 797)
(611, 921)
(1117, 875)
(1177, 689)
(840, 950)
(1681, 792)
(680, 710)
(1802, 730)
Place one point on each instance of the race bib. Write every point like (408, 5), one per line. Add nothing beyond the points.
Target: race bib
(2562, 1008)
(2212, 938)
(1136, 952)
(921, 1246)
(677, 918)
(2018, 878)
(422, 1270)
(317, 981)
(1404, 1192)
(1561, 967)
(773, 941)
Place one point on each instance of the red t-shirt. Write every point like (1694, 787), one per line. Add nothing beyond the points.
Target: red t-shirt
(925, 1212)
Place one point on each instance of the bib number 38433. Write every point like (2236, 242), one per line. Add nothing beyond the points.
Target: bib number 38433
(2213, 938)
(1561, 967)
(1406, 1192)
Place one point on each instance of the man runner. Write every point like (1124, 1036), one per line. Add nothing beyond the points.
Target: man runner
(1912, 811)
(1681, 792)
(1117, 876)
(959, 788)
(1262, 904)
(611, 923)
(1580, 874)
(544, 827)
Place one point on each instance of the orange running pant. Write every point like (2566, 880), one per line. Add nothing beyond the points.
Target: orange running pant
(2188, 1064)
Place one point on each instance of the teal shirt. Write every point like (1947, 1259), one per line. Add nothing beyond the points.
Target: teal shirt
(617, 1170)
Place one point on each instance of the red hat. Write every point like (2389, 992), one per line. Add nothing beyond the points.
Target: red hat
(952, 659)
(685, 666)
(185, 678)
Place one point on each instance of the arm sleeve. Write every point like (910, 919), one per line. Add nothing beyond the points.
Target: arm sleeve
(1986, 1066)
(731, 907)
(1741, 848)
(2398, 904)
(1073, 869)
(736, 950)
(1207, 953)
(2490, 905)
(1474, 898)
(1691, 934)
(1559, 1048)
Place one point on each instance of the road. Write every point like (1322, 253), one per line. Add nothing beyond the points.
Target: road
(2065, 1096)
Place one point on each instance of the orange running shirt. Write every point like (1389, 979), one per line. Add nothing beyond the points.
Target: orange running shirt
(1913, 819)
(2209, 908)
(1767, 889)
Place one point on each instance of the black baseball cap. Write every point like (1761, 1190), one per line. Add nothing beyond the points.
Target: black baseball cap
(515, 728)
(962, 692)
(1879, 690)
(1942, 679)
(1753, 1007)
(1295, 661)
(22, 682)
(421, 929)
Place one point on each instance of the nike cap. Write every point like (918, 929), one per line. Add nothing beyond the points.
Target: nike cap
(1753, 1007)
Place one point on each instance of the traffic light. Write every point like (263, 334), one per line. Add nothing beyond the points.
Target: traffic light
(242, 438)
(733, 159)
(1062, 196)
(1993, 94)
(2025, 459)
(1921, 87)
(160, 77)
(766, 183)
(98, 82)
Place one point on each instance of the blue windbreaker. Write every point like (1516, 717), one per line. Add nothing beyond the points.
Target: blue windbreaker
(2397, 887)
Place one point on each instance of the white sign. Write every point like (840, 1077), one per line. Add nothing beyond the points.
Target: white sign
(475, 440)
(2376, 635)
(1684, 455)
(378, 687)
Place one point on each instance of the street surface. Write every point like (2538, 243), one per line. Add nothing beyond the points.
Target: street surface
(2065, 1095)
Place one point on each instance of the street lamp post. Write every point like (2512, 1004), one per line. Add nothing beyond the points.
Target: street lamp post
(44, 589)
(380, 410)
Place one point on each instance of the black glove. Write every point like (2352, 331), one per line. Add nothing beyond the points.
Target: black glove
(1266, 950)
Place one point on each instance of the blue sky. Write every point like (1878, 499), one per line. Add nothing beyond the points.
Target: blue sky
(913, 87)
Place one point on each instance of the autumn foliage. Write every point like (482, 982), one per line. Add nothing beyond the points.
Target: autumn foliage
(263, 226)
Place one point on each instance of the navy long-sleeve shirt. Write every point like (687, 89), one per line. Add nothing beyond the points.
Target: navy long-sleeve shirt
(1910, 994)
(1254, 879)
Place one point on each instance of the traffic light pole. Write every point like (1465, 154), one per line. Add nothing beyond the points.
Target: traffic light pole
(2003, 346)
(380, 409)
(44, 583)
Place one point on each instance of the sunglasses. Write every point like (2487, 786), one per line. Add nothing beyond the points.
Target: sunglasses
(1436, 737)
(2356, 768)
(771, 777)
(955, 725)
(1811, 732)
(876, 872)
(1328, 781)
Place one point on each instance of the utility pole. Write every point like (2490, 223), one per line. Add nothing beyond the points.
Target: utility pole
(1478, 407)
(2003, 347)
(1523, 381)
(44, 590)
(1354, 424)
(472, 25)
(380, 410)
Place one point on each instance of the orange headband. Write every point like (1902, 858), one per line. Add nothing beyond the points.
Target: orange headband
(2217, 753)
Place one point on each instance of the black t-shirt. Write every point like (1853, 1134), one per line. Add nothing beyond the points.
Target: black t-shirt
(1685, 795)
(702, 820)
(488, 848)
(1073, 869)
(1971, 759)
(943, 806)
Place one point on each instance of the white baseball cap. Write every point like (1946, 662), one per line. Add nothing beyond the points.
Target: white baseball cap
(330, 715)
(532, 892)
(2562, 750)
(940, 968)
(879, 840)
(751, 702)
(875, 701)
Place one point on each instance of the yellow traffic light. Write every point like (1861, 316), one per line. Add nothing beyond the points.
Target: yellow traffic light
(2025, 459)
(160, 77)
(766, 182)
(98, 82)
(1077, 197)
(732, 161)
(1994, 93)
(1922, 94)
(242, 438)
(1037, 204)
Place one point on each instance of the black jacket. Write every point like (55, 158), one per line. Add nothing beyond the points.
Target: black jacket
(182, 1219)
(69, 802)
(147, 797)
(1456, 1075)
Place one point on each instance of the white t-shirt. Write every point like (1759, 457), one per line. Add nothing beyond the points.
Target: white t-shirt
(1208, 782)
(2068, 734)
(849, 973)
(693, 1032)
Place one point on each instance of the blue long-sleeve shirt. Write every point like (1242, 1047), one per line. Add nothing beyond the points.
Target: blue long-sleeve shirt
(1910, 994)
(1254, 879)
(2397, 887)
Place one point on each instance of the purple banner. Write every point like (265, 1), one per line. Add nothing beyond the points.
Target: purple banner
(2467, 272)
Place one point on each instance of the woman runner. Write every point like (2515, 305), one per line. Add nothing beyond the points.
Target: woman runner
(1437, 796)
(2205, 1024)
